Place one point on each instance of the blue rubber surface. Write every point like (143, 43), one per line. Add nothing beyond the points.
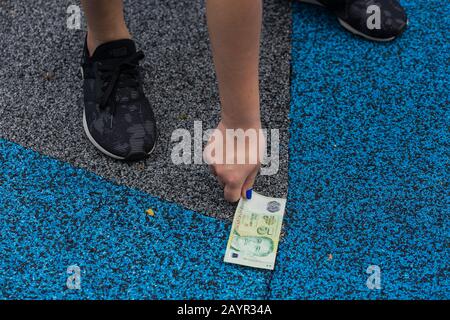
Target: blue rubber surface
(369, 161)
(369, 185)
(54, 216)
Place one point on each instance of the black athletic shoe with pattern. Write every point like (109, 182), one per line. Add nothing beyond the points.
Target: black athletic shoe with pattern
(377, 20)
(118, 118)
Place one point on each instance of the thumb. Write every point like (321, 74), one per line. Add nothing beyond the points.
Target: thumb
(247, 187)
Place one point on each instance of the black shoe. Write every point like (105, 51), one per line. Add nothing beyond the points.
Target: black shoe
(117, 118)
(377, 20)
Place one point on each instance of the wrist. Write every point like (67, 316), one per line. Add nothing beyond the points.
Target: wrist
(241, 122)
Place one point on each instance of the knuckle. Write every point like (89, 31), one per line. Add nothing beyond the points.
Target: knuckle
(231, 179)
(232, 196)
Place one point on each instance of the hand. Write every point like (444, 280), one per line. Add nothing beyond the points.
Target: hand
(235, 170)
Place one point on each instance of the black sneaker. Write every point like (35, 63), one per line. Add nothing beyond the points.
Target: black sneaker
(377, 20)
(117, 118)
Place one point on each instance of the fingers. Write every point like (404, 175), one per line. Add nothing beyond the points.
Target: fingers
(236, 185)
(248, 184)
(232, 185)
(220, 180)
(232, 193)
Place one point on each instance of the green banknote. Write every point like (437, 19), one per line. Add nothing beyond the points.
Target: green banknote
(255, 232)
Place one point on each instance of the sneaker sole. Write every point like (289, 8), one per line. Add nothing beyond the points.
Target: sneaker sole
(348, 27)
(99, 147)
(359, 33)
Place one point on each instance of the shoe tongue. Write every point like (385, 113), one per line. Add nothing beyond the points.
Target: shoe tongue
(114, 50)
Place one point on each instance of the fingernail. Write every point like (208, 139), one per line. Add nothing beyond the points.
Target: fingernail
(248, 194)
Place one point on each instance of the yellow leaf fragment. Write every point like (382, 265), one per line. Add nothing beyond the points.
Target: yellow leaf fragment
(150, 212)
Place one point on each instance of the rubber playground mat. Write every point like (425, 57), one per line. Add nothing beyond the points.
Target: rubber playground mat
(368, 177)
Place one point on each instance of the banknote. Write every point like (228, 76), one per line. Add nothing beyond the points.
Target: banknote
(255, 232)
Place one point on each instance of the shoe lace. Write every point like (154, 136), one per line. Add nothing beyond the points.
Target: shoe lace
(122, 74)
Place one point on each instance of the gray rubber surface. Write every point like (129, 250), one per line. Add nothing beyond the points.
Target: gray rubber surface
(45, 112)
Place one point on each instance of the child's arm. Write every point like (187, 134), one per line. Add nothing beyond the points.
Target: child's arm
(235, 27)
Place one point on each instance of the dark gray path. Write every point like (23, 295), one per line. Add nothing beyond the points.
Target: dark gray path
(45, 114)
